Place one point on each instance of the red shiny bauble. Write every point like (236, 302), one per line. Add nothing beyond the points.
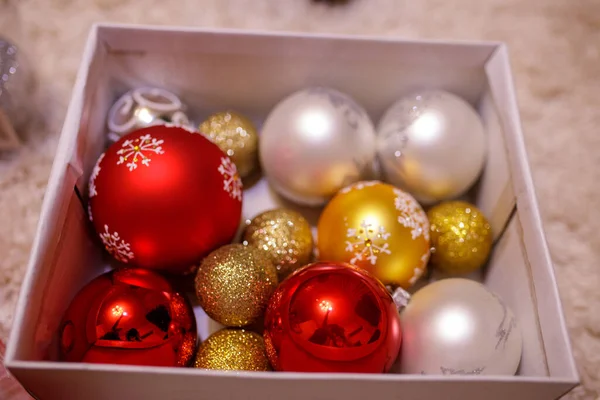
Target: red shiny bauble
(163, 197)
(129, 316)
(332, 317)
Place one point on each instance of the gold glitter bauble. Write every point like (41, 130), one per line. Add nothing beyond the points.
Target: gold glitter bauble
(236, 136)
(460, 236)
(234, 283)
(233, 350)
(284, 236)
(377, 227)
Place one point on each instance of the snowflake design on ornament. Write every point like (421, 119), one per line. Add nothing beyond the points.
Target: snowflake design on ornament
(180, 121)
(411, 215)
(425, 259)
(358, 186)
(417, 273)
(92, 190)
(232, 183)
(368, 242)
(139, 149)
(117, 247)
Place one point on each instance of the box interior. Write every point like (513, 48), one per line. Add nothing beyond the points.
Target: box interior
(251, 73)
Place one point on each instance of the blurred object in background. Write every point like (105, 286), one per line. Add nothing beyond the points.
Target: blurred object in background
(13, 93)
(19, 115)
(10, 389)
(331, 2)
(8, 67)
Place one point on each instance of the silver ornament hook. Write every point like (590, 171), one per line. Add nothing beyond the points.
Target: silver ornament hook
(400, 297)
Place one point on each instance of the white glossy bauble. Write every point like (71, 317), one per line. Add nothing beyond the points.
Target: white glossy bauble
(314, 143)
(458, 327)
(431, 144)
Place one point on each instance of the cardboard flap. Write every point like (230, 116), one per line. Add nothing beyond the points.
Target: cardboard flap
(495, 195)
(551, 319)
(509, 276)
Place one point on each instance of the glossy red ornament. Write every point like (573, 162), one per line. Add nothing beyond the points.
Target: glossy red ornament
(332, 317)
(129, 316)
(163, 197)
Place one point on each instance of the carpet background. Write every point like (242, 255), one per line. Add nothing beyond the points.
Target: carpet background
(555, 50)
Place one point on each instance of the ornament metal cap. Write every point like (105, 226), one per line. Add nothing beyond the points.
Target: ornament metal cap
(400, 297)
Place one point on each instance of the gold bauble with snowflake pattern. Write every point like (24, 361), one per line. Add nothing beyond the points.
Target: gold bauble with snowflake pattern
(378, 227)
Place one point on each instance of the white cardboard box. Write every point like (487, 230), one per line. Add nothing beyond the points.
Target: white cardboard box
(250, 71)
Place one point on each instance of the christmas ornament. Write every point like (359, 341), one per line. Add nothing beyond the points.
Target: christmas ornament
(315, 142)
(236, 136)
(284, 236)
(163, 197)
(332, 317)
(234, 283)
(377, 227)
(432, 144)
(142, 107)
(461, 237)
(233, 349)
(457, 326)
(129, 316)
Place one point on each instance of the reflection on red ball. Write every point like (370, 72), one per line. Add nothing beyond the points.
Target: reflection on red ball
(129, 316)
(163, 197)
(332, 317)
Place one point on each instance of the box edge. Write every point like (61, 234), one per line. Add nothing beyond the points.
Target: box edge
(102, 26)
(55, 182)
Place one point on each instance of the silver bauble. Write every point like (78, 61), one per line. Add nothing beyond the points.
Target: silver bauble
(458, 327)
(431, 144)
(143, 107)
(315, 142)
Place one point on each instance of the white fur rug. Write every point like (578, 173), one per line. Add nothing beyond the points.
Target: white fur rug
(555, 50)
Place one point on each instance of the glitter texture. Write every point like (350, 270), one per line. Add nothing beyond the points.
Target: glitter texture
(234, 283)
(284, 236)
(233, 350)
(236, 136)
(461, 237)
(186, 349)
(183, 315)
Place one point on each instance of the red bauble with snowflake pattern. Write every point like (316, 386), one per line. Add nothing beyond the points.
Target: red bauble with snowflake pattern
(163, 197)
